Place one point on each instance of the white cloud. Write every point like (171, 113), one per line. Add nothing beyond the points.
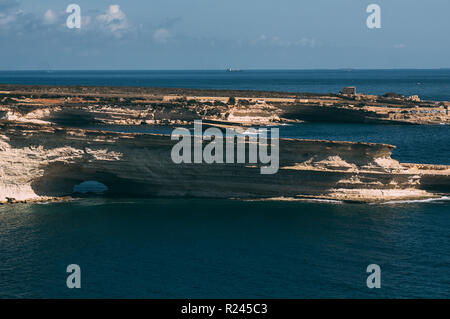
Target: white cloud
(9, 12)
(50, 17)
(162, 35)
(306, 42)
(6, 19)
(114, 21)
(277, 41)
(399, 46)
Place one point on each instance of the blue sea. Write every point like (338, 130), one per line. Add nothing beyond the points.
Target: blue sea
(204, 248)
(428, 84)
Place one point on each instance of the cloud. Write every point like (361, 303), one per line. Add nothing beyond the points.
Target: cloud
(50, 17)
(14, 20)
(306, 42)
(276, 41)
(399, 46)
(114, 21)
(162, 35)
(6, 16)
(49, 25)
(163, 32)
(6, 19)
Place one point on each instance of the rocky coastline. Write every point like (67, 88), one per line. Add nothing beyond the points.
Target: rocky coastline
(72, 106)
(44, 153)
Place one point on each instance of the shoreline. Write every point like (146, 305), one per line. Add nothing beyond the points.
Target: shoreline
(68, 199)
(67, 105)
(40, 131)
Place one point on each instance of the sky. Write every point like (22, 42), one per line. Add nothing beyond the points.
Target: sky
(213, 34)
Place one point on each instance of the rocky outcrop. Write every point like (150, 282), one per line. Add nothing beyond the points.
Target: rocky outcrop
(40, 162)
(78, 106)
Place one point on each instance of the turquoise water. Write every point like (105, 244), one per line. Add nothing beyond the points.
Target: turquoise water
(180, 248)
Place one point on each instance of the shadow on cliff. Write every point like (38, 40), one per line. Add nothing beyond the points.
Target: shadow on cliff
(59, 179)
(72, 118)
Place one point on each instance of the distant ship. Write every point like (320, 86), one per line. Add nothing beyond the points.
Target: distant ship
(233, 70)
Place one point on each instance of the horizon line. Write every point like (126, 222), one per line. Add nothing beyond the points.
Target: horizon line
(225, 69)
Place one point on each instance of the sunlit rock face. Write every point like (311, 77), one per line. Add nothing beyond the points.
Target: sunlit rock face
(39, 162)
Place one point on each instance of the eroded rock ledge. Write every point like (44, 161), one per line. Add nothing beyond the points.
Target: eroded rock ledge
(40, 162)
(85, 106)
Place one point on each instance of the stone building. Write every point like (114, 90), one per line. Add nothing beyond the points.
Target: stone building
(349, 90)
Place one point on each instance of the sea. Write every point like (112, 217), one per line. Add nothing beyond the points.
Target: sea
(208, 248)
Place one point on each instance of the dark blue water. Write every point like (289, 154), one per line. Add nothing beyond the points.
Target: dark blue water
(222, 249)
(184, 248)
(428, 84)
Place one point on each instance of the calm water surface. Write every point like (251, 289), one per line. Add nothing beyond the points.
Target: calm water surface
(221, 249)
(428, 84)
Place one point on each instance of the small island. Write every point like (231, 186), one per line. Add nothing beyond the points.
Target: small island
(46, 149)
(135, 106)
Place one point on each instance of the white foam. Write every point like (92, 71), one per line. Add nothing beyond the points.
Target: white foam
(294, 199)
(330, 201)
(428, 200)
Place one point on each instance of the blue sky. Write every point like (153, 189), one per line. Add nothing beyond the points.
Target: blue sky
(213, 34)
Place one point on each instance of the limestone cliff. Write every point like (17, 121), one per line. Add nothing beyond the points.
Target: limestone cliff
(38, 162)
